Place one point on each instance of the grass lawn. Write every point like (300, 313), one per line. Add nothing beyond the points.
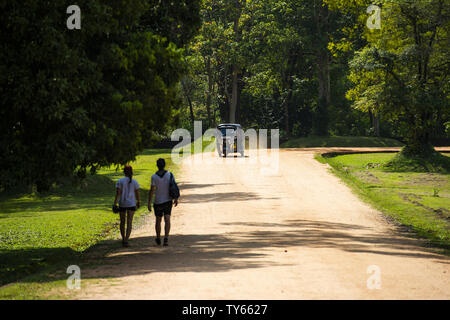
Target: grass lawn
(419, 200)
(316, 142)
(42, 232)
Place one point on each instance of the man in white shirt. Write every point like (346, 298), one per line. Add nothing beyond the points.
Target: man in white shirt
(163, 202)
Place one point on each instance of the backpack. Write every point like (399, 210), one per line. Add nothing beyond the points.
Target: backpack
(174, 191)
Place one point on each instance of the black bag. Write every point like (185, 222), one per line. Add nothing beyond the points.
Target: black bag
(174, 191)
(115, 209)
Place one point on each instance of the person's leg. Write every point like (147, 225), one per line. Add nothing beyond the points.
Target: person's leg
(130, 215)
(166, 229)
(167, 213)
(166, 225)
(122, 224)
(158, 229)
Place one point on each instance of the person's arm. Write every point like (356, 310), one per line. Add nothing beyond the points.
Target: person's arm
(150, 197)
(138, 198)
(118, 193)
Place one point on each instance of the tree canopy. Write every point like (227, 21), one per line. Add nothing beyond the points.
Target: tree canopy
(403, 71)
(78, 99)
(314, 67)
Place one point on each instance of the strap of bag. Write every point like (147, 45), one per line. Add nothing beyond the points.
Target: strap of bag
(162, 174)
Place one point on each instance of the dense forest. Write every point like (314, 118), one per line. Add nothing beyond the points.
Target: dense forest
(316, 68)
(77, 100)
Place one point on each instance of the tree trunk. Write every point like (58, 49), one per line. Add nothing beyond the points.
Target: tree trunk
(224, 103)
(418, 140)
(286, 115)
(286, 106)
(186, 93)
(376, 125)
(191, 110)
(234, 95)
(323, 69)
(375, 122)
(235, 67)
(209, 94)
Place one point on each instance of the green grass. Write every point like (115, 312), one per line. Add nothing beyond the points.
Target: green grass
(205, 142)
(417, 199)
(40, 232)
(316, 142)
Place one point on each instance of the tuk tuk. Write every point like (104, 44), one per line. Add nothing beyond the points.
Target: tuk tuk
(230, 139)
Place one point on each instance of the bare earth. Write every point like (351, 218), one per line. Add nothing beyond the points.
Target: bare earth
(244, 233)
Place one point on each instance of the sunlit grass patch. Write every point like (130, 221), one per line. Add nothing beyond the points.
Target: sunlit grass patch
(419, 200)
(337, 141)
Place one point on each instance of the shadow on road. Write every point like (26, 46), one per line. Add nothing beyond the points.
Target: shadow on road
(242, 250)
(185, 186)
(222, 197)
(323, 234)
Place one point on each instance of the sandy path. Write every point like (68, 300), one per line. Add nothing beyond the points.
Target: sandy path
(296, 233)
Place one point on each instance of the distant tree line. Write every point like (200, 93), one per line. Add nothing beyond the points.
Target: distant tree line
(313, 67)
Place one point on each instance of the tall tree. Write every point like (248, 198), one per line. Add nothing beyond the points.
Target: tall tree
(404, 69)
(74, 99)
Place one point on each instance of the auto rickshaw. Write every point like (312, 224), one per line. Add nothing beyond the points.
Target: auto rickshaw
(230, 139)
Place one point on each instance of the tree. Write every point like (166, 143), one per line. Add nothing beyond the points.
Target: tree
(403, 71)
(78, 99)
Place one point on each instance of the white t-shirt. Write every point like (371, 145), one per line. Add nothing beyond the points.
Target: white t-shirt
(127, 196)
(162, 187)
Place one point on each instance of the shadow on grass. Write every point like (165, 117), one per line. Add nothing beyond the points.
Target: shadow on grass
(28, 225)
(152, 152)
(38, 231)
(17, 264)
(94, 193)
(342, 152)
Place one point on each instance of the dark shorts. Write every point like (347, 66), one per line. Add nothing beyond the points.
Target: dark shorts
(123, 209)
(163, 209)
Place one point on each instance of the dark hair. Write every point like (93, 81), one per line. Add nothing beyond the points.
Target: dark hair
(161, 163)
(128, 170)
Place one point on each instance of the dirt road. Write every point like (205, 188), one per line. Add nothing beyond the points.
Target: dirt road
(245, 233)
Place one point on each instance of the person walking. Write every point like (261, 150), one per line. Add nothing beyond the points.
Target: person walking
(160, 183)
(127, 192)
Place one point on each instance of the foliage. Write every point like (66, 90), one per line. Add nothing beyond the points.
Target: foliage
(287, 74)
(313, 67)
(403, 71)
(336, 141)
(78, 99)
